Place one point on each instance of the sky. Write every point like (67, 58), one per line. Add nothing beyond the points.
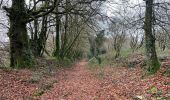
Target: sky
(113, 5)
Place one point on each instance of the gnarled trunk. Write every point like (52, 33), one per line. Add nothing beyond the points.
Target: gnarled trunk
(19, 41)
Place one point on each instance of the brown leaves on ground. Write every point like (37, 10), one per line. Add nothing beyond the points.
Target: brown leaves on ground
(80, 83)
(12, 85)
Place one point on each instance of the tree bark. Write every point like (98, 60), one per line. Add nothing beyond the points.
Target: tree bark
(20, 53)
(34, 39)
(57, 40)
(42, 37)
(152, 61)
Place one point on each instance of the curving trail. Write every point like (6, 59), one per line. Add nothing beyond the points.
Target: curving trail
(78, 83)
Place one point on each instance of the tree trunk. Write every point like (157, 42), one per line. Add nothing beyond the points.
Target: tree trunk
(42, 37)
(19, 41)
(34, 39)
(57, 40)
(64, 36)
(152, 61)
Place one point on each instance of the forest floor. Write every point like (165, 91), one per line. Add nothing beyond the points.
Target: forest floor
(81, 83)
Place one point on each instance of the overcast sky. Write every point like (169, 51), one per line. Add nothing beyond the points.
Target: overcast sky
(115, 5)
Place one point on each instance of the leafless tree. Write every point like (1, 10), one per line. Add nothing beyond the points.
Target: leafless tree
(118, 35)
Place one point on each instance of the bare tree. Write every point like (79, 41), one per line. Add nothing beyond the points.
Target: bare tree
(118, 35)
(136, 41)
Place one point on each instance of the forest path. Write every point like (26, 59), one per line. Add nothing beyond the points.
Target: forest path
(107, 83)
(78, 83)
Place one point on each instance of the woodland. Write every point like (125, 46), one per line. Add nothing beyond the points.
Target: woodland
(84, 50)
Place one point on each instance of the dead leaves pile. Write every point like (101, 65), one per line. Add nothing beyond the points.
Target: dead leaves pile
(80, 83)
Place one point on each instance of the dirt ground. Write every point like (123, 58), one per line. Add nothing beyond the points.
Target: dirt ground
(81, 83)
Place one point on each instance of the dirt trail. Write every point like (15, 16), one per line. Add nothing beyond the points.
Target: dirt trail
(78, 83)
(117, 83)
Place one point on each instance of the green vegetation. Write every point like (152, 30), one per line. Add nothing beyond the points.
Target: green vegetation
(38, 93)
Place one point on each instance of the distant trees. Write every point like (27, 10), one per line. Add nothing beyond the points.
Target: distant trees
(136, 41)
(119, 40)
(72, 24)
(118, 35)
(163, 40)
(99, 40)
(96, 44)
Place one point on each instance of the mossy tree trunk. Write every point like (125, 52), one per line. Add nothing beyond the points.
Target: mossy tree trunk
(20, 53)
(152, 61)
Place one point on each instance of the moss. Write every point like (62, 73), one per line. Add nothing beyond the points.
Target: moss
(153, 67)
(38, 92)
(20, 52)
(47, 86)
(20, 63)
